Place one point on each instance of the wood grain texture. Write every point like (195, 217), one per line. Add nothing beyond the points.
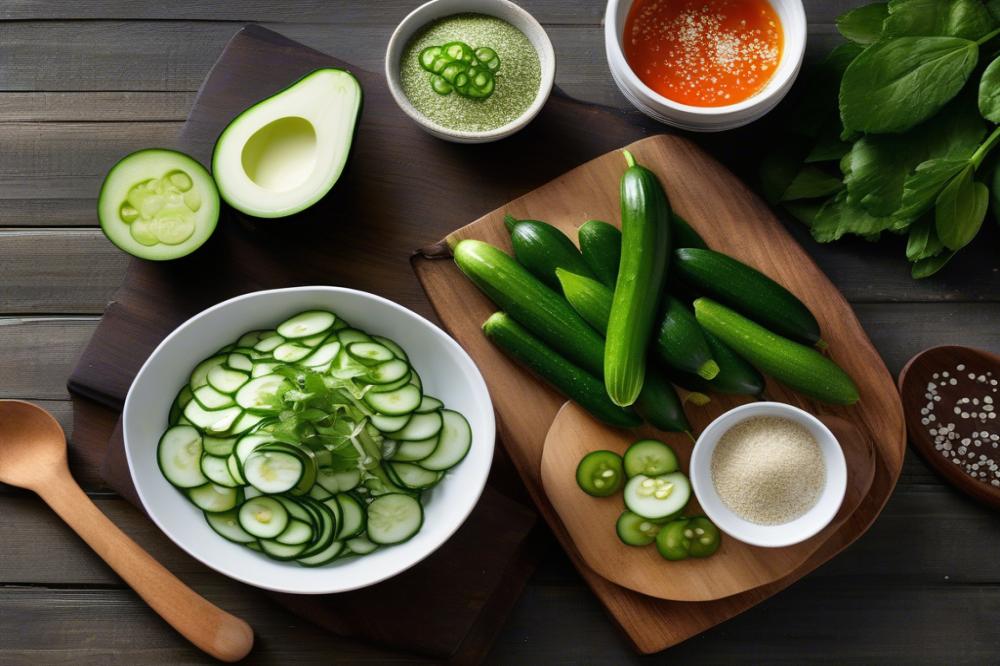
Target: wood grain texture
(736, 567)
(715, 203)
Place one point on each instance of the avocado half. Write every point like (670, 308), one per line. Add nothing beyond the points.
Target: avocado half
(284, 154)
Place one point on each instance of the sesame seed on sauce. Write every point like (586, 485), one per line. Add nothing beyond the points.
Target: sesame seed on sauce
(703, 52)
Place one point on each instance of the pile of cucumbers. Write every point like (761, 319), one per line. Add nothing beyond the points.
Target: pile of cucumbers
(618, 323)
(310, 442)
(655, 494)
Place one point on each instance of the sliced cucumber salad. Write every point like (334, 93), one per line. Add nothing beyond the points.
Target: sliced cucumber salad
(310, 442)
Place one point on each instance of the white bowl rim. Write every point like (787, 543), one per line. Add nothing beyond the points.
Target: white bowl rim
(752, 533)
(547, 59)
(776, 86)
(490, 428)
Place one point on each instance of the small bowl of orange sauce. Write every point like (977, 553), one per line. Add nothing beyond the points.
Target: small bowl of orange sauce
(705, 65)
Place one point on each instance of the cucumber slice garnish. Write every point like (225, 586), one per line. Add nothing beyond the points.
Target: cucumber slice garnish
(213, 498)
(420, 427)
(228, 527)
(225, 380)
(263, 394)
(264, 517)
(353, 517)
(273, 472)
(394, 518)
(658, 496)
(415, 451)
(179, 455)
(216, 470)
(395, 403)
(306, 324)
(649, 457)
(454, 442)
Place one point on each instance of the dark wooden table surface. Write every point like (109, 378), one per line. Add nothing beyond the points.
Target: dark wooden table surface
(82, 83)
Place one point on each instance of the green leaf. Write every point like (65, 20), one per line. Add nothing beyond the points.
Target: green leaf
(924, 185)
(923, 242)
(804, 211)
(994, 7)
(837, 218)
(960, 209)
(897, 84)
(812, 183)
(989, 92)
(938, 18)
(829, 146)
(864, 24)
(931, 265)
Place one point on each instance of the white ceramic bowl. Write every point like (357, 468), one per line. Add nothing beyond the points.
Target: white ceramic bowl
(699, 118)
(445, 368)
(770, 536)
(502, 9)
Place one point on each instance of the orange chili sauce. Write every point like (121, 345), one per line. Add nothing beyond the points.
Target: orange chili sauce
(703, 52)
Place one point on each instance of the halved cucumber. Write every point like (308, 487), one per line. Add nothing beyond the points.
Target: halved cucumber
(263, 517)
(395, 403)
(216, 470)
(420, 427)
(273, 472)
(228, 527)
(307, 324)
(225, 380)
(394, 518)
(352, 516)
(179, 456)
(454, 442)
(657, 497)
(214, 420)
(413, 476)
(263, 394)
(213, 498)
(414, 451)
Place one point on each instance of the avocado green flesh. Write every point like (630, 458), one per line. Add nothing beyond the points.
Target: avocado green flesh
(158, 204)
(283, 154)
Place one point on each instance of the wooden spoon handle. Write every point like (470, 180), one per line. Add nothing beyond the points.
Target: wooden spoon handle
(213, 630)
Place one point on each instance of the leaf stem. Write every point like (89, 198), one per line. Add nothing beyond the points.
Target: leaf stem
(987, 37)
(984, 150)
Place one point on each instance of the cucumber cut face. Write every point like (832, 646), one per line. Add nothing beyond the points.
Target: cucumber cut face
(158, 204)
(284, 154)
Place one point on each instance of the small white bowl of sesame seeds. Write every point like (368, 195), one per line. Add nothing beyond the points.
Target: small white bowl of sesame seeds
(769, 474)
(705, 67)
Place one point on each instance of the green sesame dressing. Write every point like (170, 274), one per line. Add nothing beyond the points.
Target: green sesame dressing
(517, 81)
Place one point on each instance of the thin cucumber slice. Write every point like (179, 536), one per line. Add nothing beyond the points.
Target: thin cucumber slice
(297, 533)
(264, 517)
(212, 420)
(279, 551)
(395, 403)
(320, 493)
(322, 354)
(429, 404)
(213, 498)
(225, 380)
(211, 399)
(349, 335)
(361, 545)
(390, 371)
(297, 510)
(291, 352)
(387, 424)
(454, 442)
(392, 386)
(370, 353)
(250, 339)
(338, 482)
(233, 466)
(657, 497)
(634, 530)
(216, 470)
(413, 476)
(650, 457)
(248, 444)
(226, 525)
(314, 340)
(239, 361)
(262, 368)
(420, 427)
(269, 344)
(247, 422)
(415, 451)
(327, 526)
(263, 394)
(352, 516)
(273, 472)
(394, 518)
(179, 456)
(307, 324)
(328, 554)
(218, 446)
(415, 379)
(199, 376)
(396, 349)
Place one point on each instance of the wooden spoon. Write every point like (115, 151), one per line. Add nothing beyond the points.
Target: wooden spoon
(735, 568)
(913, 388)
(33, 456)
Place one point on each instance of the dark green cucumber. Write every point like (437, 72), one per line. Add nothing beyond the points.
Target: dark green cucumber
(568, 379)
(536, 307)
(747, 291)
(601, 246)
(736, 376)
(658, 403)
(645, 253)
(542, 248)
(685, 235)
(796, 365)
(681, 342)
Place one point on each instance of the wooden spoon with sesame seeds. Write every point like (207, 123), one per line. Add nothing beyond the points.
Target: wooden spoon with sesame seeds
(951, 396)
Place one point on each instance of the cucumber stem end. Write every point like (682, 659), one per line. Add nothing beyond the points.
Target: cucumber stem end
(629, 160)
(510, 222)
(709, 370)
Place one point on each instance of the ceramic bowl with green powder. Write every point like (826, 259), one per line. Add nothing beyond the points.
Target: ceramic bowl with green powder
(470, 71)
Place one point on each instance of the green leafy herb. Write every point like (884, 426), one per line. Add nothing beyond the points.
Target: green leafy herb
(960, 209)
(923, 186)
(989, 92)
(894, 85)
(931, 265)
(837, 218)
(969, 19)
(863, 25)
(923, 242)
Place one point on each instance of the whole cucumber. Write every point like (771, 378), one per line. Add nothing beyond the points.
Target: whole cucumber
(645, 253)
(685, 235)
(800, 367)
(536, 307)
(567, 378)
(736, 376)
(747, 291)
(542, 248)
(601, 246)
(681, 342)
